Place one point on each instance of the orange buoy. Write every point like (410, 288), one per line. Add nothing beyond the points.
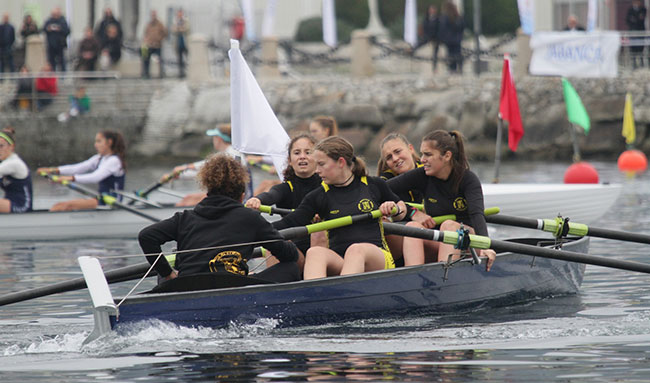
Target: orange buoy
(632, 161)
(581, 173)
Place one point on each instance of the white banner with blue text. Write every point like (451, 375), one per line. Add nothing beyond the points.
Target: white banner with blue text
(575, 54)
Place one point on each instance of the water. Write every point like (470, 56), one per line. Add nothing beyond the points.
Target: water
(600, 335)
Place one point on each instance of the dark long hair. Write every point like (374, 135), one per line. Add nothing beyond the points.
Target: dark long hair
(381, 164)
(289, 173)
(336, 147)
(118, 144)
(444, 141)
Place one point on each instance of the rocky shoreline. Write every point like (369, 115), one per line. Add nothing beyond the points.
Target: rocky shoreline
(171, 124)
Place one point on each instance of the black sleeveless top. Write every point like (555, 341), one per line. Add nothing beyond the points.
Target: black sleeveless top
(363, 195)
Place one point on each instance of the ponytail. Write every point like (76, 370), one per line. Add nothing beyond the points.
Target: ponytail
(337, 147)
(118, 144)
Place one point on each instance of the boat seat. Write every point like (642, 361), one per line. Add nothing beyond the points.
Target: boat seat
(206, 281)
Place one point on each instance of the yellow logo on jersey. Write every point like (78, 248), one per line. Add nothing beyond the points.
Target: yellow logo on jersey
(432, 200)
(231, 260)
(366, 205)
(460, 204)
(334, 211)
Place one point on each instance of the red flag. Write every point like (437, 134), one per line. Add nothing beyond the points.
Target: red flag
(509, 107)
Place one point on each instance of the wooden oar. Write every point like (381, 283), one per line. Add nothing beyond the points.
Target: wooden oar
(145, 192)
(137, 271)
(107, 199)
(578, 229)
(482, 242)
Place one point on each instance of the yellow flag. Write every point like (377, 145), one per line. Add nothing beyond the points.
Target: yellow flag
(629, 132)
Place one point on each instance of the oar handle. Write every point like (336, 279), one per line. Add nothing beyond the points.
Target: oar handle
(303, 231)
(274, 210)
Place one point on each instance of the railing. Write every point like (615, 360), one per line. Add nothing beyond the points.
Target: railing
(107, 91)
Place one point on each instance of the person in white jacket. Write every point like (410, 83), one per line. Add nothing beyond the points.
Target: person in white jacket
(107, 168)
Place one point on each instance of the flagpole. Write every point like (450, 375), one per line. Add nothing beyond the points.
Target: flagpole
(497, 153)
(576, 148)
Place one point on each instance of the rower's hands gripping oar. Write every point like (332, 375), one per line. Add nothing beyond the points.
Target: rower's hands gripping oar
(271, 209)
(107, 199)
(303, 231)
(561, 227)
(483, 242)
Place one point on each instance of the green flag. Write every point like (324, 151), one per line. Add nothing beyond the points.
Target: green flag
(574, 108)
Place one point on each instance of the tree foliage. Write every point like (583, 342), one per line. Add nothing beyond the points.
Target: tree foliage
(497, 16)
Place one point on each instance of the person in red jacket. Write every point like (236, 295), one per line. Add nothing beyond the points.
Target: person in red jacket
(46, 86)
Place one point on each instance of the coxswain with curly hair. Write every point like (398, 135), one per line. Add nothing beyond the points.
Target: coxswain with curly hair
(223, 231)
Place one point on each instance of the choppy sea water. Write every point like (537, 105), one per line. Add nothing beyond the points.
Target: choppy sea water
(599, 335)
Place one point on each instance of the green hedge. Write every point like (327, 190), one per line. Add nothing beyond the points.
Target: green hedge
(350, 15)
(311, 30)
(497, 17)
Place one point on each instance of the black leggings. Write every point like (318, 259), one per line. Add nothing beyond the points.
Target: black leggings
(280, 272)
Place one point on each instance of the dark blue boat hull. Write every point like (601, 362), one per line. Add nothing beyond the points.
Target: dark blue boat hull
(408, 290)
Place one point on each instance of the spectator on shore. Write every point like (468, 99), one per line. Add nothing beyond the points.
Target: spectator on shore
(112, 46)
(7, 39)
(56, 29)
(101, 31)
(79, 104)
(46, 87)
(635, 20)
(28, 28)
(154, 34)
(181, 30)
(572, 24)
(109, 34)
(88, 51)
(430, 27)
(24, 88)
(450, 33)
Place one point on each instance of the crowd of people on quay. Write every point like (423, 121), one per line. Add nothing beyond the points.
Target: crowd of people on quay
(99, 49)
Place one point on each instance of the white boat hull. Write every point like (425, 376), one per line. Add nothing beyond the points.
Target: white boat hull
(99, 223)
(583, 203)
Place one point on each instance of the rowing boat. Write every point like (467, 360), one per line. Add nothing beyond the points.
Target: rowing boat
(414, 290)
(580, 202)
(98, 223)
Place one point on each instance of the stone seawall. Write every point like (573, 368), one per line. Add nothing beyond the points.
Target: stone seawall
(167, 120)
